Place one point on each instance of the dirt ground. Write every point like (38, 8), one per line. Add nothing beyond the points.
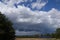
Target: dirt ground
(36, 39)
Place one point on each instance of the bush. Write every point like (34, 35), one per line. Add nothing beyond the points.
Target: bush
(58, 33)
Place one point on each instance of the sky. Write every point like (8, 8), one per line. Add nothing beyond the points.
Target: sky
(31, 17)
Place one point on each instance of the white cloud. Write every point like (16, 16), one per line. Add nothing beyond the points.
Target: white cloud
(38, 4)
(12, 2)
(20, 33)
(25, 14)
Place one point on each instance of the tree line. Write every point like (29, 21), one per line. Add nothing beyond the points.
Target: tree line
(56, 34)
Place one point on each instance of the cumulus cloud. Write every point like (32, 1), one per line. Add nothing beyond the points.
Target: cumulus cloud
(23, 14)
(11, 3)
(39, 4)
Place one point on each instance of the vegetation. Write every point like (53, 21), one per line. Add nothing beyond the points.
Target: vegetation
(6, 30)
(58, 33)
(54, 35)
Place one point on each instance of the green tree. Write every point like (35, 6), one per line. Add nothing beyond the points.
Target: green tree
(58, 33)
(47, 35)
(53, 35)
(6, 30)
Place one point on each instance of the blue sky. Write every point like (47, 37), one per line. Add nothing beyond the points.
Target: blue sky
(32, 16)
(47, 7)
(52, 4)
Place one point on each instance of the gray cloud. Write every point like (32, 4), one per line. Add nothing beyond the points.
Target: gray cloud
(20, 33)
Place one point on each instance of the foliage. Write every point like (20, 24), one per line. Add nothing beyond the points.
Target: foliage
(58, 33)
(53, 35)
(6, 30)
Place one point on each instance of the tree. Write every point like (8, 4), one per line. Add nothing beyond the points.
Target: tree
(53, 35)
(47, 35)
(6, 30)
(58, 33)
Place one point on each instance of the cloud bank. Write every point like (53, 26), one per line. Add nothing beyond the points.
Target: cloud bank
(26, 19)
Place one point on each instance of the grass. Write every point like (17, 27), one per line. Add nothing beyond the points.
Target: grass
(37, 39)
